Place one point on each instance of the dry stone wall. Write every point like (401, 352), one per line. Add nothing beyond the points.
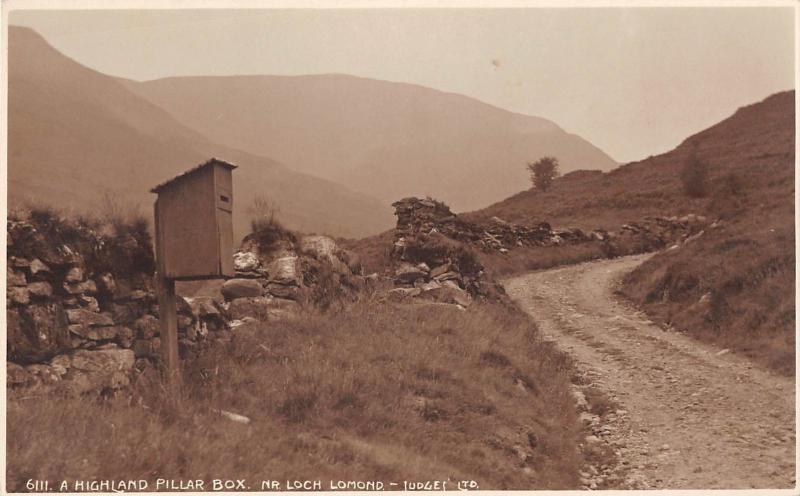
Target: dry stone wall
(82, 316)
(432, 247)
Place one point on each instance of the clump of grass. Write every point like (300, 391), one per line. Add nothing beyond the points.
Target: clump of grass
(599, 403)
(102, 237)
(364, 392)
(121, 217)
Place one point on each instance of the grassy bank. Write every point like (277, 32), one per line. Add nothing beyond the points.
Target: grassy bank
(373, 392)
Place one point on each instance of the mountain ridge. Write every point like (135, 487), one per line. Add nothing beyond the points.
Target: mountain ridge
(75, 133)
(383, 138)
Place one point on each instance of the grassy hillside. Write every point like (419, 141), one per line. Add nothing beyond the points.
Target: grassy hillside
(733, 285)
(755, 146)
(372, 392)
(420, 141)
(76, 134)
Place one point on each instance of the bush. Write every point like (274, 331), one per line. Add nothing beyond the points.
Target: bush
(694, 178)
(543, 171)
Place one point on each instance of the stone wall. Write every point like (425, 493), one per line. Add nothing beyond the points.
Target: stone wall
(81, 313)
(432, 257)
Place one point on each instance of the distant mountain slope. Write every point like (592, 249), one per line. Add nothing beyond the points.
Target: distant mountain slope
(735, 284)
(389, 140)
(75, 134)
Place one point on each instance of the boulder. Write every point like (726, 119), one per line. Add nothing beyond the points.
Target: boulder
(400, 294)
(245, 261)
(448, 294)
(283, 291)
(89, 303)
(448, 276)
(19, 263)
(280, 309)
(94, 333)
(40, 289)
(125, 313)
(441, 270)
(14, 278)
(241, 288)
(408, 273)
(144, 348)
(105, 283)
(39, 268)
(88, 287)
(74, 275)
(16, 375)
(255, 307)
(429, 286)
(204, 307)
(146, 327)
(43, 376)
(19, 295)
(284, 270)
(98, 370)
(319, 247)
(87, 318)
(36, 332)
(125, 336)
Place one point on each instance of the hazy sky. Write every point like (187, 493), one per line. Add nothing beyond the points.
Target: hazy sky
(633, 81)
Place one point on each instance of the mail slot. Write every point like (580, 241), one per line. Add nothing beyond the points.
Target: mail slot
(194, 223)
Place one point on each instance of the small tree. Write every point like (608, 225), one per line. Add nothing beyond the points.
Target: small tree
(543, 171)
(694, 177)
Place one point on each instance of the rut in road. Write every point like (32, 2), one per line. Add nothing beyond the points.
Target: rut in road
(689, 417)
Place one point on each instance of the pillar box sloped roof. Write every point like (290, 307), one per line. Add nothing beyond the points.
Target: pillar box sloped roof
(210, 162)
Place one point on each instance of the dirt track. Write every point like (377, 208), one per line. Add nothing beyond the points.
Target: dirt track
(688, 417)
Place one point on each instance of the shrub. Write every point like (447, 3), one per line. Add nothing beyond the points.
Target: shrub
(543, 171)
(694, 178)
(123, 218)
(263, 214)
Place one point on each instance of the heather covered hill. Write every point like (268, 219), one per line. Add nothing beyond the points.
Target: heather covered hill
(76, 134)
(755, 145)
(734, 284)
(389, 140)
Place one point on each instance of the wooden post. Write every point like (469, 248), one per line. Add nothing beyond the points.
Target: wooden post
(168, 322)
(167, 317)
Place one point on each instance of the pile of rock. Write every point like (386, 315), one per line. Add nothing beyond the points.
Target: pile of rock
(663, 230)
(443, 284)
(81, 312)
(276, 278)
(432, 255)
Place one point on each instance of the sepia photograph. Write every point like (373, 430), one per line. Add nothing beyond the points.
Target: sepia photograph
(324, 246)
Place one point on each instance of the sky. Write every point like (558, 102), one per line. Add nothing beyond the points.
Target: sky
(633, 81)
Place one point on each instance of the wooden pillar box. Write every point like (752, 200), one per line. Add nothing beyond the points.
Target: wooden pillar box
(194, 240)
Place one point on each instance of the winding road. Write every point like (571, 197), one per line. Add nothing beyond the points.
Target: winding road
(689, 415)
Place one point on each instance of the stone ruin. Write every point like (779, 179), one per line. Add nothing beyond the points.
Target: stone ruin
(432, 257)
